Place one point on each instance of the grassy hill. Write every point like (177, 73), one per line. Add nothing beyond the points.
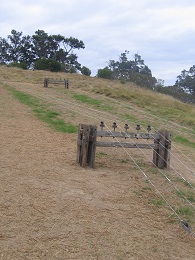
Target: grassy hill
(125, 202)
(127, 101)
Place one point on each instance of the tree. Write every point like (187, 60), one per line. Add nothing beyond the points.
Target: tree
(186, 80)
(40, 46)
(132, 70)
(14, 48)
(26, 51)
(57, 47)
(4, 55)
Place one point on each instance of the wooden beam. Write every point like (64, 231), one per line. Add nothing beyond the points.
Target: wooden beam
(125, 145)
(127, 135)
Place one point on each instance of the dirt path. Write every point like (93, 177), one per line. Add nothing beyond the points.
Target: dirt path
(50, 208)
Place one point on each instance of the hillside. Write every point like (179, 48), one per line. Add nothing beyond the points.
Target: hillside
(51, 208)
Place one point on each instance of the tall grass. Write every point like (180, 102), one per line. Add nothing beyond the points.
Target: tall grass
(156, 103)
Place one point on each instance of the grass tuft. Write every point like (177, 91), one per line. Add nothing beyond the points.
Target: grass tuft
(185, 211)
(189, 195)
(157, 202)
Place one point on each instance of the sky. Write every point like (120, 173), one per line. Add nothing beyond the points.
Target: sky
(162, 32)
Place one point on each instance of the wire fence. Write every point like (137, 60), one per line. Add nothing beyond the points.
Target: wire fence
(94, 116)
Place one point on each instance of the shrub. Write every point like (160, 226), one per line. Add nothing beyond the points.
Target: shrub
(47, 64)
(85, 71)
(105, 73)
(21, 65)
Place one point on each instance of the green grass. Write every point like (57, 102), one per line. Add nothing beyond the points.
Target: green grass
(52, 118)
(187, 184)
(124, 160)
(147, 188)
(185, 211)
(184, 141)
(130, 118)
(94, 102)
(157, 202)
(189, 195)
(100, 154)
(87, 100)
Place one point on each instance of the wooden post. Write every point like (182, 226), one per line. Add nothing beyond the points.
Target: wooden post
(87, 143)
(82, 144)
(161, 155)
(66, 83)
(92, 146)
(46, 83)
(168, 149)
(156, 152)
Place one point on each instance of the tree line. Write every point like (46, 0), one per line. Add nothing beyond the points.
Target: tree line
(57, 53)
(41, 51)
(129, 70)
(136, 71)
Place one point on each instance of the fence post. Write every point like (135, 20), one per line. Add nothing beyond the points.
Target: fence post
(161, 155)
(46, 83)
(168, 148)
(82, 144)
(66, 83)
(92, 146)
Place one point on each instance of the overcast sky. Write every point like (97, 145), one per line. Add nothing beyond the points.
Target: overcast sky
(161, 31)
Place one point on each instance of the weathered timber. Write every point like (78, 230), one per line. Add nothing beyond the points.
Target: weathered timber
(82, 145)
(92, 146)
(161, 154)
(87, 143)
(125, 145)
(167, 149)
(65, 82)
(127, 135)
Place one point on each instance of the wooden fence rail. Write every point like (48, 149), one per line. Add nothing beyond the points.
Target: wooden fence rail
(87, 143)
(65, 82)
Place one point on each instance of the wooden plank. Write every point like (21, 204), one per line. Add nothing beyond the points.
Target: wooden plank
(126, 135)
(125, 145)
(56, 81)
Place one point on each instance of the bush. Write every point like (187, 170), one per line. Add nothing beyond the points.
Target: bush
(105, 73)
(47, 64)
(85, 71)
(21, 65)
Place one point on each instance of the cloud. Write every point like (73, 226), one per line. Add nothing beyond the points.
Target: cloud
(162, 32)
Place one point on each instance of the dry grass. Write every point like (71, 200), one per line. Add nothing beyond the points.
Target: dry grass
(53, 209)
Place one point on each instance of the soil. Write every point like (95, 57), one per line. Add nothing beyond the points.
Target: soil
(51, 208)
